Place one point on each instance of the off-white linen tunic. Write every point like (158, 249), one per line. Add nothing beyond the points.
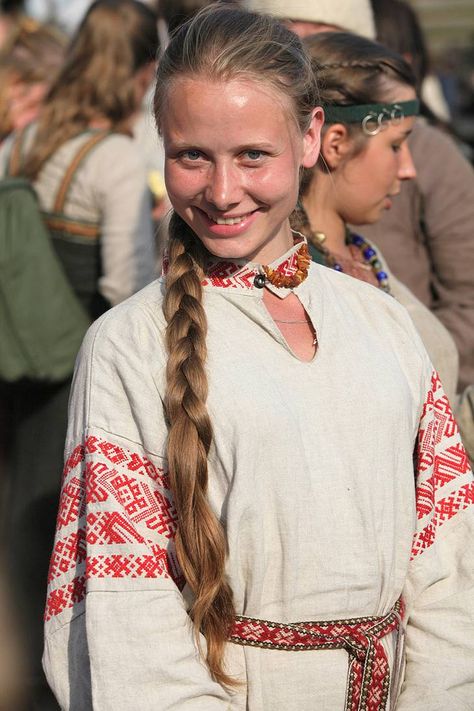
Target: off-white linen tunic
(311, 472)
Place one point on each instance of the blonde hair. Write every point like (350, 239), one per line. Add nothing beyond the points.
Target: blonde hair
(32, 55)
(115, 39)
(220, 44)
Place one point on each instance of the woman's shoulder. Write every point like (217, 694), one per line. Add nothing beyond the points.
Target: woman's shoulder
(367, 305)
(119, 379)
(137, 323)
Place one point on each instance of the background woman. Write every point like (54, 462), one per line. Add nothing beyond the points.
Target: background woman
(363, 161)
(427, 237)
(102, 231)
(241, 440)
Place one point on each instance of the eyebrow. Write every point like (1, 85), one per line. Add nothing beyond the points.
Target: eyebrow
(250, 145)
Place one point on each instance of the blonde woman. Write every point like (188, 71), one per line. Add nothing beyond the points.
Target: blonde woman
(241, 518)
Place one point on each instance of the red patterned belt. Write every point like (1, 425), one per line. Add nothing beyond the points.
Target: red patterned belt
(369, 673)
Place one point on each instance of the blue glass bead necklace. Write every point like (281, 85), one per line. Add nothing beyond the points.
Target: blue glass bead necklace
(370, 257)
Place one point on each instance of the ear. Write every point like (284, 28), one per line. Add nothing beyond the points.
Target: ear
(312, 139)
(144, 76)
(335, 144)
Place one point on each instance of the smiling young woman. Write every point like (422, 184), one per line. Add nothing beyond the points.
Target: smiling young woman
(239, 473)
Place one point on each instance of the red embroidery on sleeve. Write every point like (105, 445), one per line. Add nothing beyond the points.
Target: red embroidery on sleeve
(444, 479)
(118, 498)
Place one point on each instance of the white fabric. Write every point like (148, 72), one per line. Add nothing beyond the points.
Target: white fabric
(311, 472)
(350, 15)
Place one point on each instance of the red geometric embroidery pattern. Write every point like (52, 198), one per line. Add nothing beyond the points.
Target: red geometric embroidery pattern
(369, 672)
(72, 504)
(68, 552)
(118, 498)
(441, 460)
(127, 566)
(231, 275)
(65, 597)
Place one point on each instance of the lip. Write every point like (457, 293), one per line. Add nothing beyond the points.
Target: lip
(228, 230)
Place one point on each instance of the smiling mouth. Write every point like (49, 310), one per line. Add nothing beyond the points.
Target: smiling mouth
(228, 220)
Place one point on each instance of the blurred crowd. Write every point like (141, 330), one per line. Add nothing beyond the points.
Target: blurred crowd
(72, 72)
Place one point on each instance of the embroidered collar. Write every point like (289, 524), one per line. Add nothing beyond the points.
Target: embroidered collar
(239, 274)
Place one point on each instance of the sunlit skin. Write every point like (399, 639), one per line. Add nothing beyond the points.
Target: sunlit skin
(234, 150)
(358, 188)
(305, 28)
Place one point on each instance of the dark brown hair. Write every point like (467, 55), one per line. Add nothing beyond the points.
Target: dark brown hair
(353, 70)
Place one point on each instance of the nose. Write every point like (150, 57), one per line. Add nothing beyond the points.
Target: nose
(406, 167)
(223, 187)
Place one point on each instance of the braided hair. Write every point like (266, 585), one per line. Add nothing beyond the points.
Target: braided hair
(220, 43)
(352, 70)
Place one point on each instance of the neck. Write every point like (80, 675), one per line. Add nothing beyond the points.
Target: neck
(322, 216)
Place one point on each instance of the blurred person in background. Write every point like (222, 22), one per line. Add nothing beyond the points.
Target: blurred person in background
(30, 59)
(406, 36)
(103, 237)
(364, 159)
(10, 13)
(305, 17)
(427, 237)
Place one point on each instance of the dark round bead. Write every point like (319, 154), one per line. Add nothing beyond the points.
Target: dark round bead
(381, 275)
(337, 267)
(369, 252)
(357, 240)
(259, 281)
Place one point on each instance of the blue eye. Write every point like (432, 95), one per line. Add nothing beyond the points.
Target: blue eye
(254, 155)
(192, 155)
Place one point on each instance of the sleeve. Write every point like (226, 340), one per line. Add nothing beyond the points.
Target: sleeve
(117, 632)
(447, 189)
(439, 593)
(127, 242)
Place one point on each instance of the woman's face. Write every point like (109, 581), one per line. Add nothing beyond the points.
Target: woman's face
(366, 183)
(233, 155)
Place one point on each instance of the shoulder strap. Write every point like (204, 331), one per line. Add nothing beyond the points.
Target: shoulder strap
(83, 151)
(15, 159)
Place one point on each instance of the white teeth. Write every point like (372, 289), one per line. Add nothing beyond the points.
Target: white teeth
(227, 220)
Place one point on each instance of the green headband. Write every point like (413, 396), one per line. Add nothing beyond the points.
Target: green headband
(370, 114)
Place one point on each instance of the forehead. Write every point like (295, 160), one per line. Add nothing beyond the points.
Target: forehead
(202, 108)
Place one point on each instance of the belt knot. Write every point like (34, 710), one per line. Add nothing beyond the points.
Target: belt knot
(369, 674)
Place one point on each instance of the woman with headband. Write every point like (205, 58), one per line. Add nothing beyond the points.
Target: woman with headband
(370, 105)
(243, 524)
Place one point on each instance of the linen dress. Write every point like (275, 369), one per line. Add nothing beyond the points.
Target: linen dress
(312, 474)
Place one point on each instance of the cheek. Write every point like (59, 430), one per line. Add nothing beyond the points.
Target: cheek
(276, 183)
(183, 184)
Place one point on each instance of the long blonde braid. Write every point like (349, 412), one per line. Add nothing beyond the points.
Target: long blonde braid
(200, 539)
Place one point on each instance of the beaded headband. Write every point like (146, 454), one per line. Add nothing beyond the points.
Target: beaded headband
(372, 116)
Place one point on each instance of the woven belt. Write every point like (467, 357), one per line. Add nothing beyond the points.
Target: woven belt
(369, 674)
